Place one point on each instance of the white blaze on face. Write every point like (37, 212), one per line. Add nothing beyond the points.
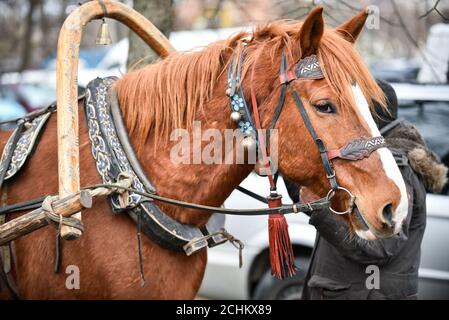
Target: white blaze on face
(389, 164)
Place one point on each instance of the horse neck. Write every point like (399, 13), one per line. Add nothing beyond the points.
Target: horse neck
(208, 184)
(203, 183)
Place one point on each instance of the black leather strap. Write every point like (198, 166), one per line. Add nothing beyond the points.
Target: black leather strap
(284, 209)
(330, 172)
(5, 278)
(281, 102)
(8, 157)
(279, 107)
(315, 73)
(252, 194)
(22, 206)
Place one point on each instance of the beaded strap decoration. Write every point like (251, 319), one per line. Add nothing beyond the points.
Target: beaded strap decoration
(239, 109)
(240, 112)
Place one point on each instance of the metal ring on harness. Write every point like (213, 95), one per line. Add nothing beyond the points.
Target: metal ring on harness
(332, 193)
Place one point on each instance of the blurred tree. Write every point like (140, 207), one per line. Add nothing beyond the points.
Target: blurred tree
(161, 14)
(28, 36)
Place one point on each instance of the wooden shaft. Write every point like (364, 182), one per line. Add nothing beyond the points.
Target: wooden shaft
(36, 219)
(67, 87)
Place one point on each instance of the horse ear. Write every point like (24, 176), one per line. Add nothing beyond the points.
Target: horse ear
(351, 29)
(311, 32)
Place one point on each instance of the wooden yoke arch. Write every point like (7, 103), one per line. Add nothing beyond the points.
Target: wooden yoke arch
(67, 86)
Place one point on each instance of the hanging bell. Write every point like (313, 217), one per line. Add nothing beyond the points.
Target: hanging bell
(103, 36)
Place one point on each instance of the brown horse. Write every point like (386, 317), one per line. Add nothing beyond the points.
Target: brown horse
(172, 94)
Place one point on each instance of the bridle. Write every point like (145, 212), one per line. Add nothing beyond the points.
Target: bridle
(281, 250)
(307, 68)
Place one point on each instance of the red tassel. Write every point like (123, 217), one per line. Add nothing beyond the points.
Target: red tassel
(282, 258)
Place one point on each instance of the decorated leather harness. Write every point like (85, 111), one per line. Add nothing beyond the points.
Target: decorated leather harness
(114, 156)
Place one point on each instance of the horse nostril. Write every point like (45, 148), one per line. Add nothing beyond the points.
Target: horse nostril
(387, 214)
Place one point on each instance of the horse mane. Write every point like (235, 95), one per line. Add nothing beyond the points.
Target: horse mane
(167, 95)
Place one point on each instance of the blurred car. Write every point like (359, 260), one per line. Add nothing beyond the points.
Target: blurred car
(35, 89)
(116, 58)
(47, 78)
(31, 96)
(425, 106)
(396, 70)
(10, 110)
(436, 67)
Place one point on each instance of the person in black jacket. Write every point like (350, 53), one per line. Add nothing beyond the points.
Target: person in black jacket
(344, 266)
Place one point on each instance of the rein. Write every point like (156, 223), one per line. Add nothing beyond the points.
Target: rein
(283, 209)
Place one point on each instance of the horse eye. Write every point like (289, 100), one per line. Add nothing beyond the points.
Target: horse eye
(325, 107)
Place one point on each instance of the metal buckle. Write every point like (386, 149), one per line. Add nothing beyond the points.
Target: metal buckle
(331, 176)
(331, 194)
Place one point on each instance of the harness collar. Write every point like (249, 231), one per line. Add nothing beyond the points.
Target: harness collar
(114, 156)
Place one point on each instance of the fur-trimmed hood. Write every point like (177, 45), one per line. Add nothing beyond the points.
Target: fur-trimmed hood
(403, 136)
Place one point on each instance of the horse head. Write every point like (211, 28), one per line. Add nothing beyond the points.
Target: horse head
(338, 106)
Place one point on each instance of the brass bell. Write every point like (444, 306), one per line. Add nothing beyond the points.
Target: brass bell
(249, 143)
(236, 116)
(103, 36)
